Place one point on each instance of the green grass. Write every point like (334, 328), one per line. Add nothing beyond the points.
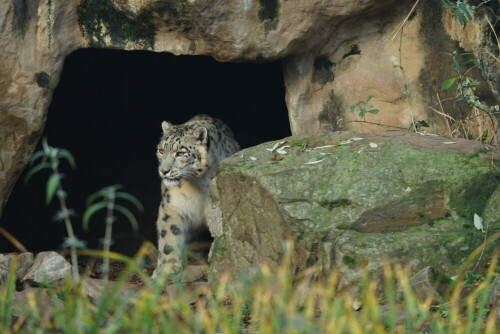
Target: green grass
(266, 301)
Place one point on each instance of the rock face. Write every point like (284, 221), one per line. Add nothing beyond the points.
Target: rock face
(35, 37)
(335, 54)
(348, 202)
(402, 68)
(23, 263)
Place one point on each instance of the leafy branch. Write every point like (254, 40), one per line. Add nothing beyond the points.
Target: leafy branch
(50, 158)
(106, 199)
(363, 108)
(461, 9)
(467, 86)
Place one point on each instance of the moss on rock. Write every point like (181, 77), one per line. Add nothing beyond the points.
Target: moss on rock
(104, 25)
(410, 198)
(268, 13)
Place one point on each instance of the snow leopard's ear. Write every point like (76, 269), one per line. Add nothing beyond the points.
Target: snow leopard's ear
(201, 135)
(166, 126)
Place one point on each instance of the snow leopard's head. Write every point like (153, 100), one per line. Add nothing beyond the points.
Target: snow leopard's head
(182, 153)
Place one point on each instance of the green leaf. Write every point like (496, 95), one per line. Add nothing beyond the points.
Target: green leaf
(448, 83)
(36, 156)
(52, 184)
(129, 215)
(465, 10)
(353, 109)
(89, 212)
(302, 145)
(130, 198)
(93, 197)
(374, 111)
(461, 19)
(368, 99)
(68, 156)
(473, 83)
(447, 3)
(477, 63)
(45, 145)
(421, 124)
(35, 170)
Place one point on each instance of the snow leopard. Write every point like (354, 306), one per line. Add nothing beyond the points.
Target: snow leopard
(188, 156)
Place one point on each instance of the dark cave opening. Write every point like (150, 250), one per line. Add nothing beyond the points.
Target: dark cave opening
(107, 111)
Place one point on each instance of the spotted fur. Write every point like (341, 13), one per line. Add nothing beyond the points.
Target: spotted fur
(188, 156)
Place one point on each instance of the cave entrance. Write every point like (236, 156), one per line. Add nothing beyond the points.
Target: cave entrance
(107, 110)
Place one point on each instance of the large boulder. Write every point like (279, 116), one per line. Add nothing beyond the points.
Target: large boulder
(347, 201)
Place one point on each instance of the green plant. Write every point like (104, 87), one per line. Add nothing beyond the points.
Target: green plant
(363, 107)
(466, 87)
(263, 300)
(460, 9)
(414, 126)
(106, 199)
(471, 278)
(50, 158)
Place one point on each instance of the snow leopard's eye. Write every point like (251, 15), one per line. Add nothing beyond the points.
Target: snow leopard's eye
(180, 153)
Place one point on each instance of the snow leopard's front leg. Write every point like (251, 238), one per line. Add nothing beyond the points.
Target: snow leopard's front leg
(171, 238)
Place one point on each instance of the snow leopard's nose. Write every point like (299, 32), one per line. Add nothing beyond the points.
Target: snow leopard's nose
(164, 172)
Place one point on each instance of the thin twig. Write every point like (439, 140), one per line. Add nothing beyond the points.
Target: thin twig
(444, 114)
(107, 235)
(13, 240)
(491, 54)
(380, 124)
(402, 23)
(67, 223)
(483, 3)
(495, 33)
(444, 100)
(413, 122)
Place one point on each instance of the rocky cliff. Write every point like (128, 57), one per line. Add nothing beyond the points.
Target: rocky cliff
(335, 54)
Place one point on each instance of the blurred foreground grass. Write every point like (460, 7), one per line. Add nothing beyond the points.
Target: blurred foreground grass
(264, 301)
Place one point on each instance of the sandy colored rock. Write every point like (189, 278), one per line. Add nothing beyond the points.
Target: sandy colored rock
(428, 283)
(402, 68)
(24, 262)
(95, 288)
(48, 267)
(44, 301)
(35, 38)
(335, 54)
